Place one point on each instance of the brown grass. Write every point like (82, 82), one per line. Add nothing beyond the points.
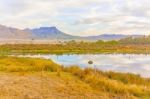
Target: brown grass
(34, 78)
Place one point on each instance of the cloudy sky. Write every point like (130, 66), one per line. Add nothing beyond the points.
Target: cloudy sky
(79, 17)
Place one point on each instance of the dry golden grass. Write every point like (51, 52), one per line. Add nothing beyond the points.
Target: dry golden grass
(14, 64)
(33, 78)
(135, 86)
(48, 86)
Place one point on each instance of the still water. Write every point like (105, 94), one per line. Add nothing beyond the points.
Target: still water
(132, 63)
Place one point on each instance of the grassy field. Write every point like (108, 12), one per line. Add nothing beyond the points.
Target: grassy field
(33, 78)
(73, 47)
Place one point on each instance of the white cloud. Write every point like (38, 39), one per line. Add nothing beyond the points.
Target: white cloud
(86, 17)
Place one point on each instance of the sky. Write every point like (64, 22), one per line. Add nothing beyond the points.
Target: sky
(79, 17)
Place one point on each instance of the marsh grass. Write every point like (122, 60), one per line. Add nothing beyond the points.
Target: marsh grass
(113, 83)
(110, 83)
(76, 48)
(14, 64)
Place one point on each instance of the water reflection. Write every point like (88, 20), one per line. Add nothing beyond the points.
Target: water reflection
(138, 64)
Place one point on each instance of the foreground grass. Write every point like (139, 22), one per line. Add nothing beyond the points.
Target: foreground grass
(19, 77)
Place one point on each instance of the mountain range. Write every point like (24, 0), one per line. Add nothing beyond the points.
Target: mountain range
(52, 33)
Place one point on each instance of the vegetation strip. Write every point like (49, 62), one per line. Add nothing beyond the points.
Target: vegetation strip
(73, 47)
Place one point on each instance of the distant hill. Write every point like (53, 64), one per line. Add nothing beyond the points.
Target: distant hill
(13, 33)
(52, 33)
(49, 33)
(107, 37)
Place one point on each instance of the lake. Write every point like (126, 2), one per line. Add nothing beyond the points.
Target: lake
(132, 63)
